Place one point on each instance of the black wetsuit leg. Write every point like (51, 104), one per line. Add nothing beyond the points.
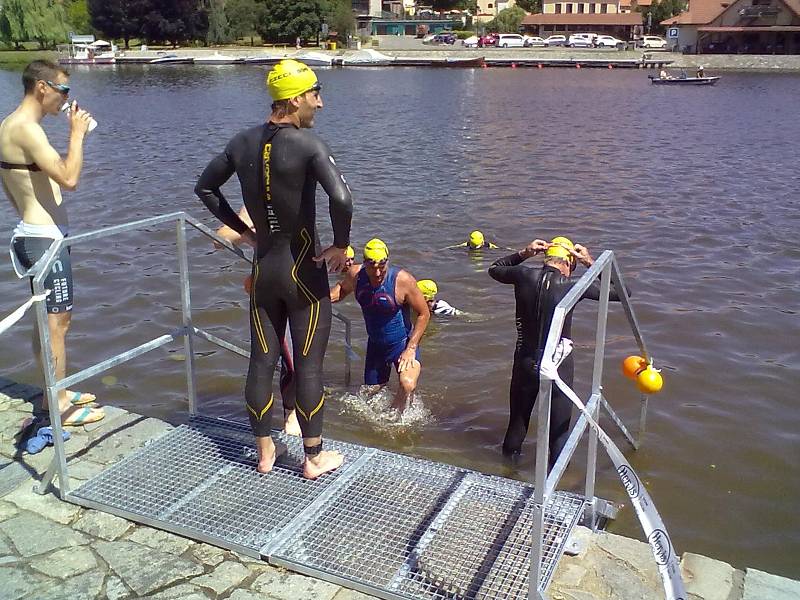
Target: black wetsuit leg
(287, 285)
(523, 394)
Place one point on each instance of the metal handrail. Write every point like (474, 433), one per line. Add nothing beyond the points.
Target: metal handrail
(607, 269)
(187, 331)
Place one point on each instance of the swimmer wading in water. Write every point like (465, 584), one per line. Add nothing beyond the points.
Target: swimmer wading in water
(278, 165)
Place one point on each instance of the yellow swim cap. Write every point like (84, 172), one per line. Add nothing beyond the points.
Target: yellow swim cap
(350, 253)
(475, 239)
(559, 248)
(428, 288)
(290, 78)
(376, 250)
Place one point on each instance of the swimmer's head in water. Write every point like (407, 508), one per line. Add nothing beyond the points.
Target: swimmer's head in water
(560, 250)
(289, 79)
(376, 251)
(428, 288)
(476, 240)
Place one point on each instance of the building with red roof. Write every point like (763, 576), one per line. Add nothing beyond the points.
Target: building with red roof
(737, 27)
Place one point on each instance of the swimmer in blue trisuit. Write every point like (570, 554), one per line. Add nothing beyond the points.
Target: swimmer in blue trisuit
(278, 165)
(438, 307)
(286, 379)
(386, 295)
(537, 293)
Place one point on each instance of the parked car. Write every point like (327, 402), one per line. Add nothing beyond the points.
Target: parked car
(555, 40)
(532, 40)
(510, 40)
(651, 41)
(471, 42)
(581, 40)
(444, 38)
(490, 39)
(609, 41)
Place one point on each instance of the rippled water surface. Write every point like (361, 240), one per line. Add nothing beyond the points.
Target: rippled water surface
(696, 190)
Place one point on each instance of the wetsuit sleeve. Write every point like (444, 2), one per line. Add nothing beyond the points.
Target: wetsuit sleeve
(593, 292)
(505, 269)
(218, 171)
(341, 200)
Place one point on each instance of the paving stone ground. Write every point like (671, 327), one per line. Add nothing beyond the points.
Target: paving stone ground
(53, 549)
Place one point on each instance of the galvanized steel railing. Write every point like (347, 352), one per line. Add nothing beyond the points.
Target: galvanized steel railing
(608, 270)
(187, 331)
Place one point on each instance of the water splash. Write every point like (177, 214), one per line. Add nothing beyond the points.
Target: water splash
(375, 408)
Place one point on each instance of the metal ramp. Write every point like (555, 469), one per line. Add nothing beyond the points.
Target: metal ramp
(389, 525)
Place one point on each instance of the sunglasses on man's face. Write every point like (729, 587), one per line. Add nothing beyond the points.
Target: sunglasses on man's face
(59, 87)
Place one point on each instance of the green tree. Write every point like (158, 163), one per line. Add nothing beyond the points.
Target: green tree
(78, 16)
(531, 6)
(340, 18)
(176, 21)
(118, 18)
(218, 27)
(507, 20)
(284, 20)
(242, 17)
(661, 10)
(43, 21)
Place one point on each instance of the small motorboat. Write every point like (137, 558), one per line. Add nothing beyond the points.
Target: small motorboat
(314, 59)
(218, 59)
(171, 59)
(476, 62)
(262, 60)
(683, 80)
(367, 58)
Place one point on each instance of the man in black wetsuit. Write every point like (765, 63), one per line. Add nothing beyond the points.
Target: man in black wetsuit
(537, 293)
(278, 165)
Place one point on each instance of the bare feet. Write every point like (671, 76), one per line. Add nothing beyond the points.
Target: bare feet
(401, 402)
(77, 416)
(80, 398)
(266, 454)
(324, 462)
(292, 426)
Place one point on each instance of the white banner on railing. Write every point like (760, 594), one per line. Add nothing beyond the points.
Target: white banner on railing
(653, 526)
(17, 314)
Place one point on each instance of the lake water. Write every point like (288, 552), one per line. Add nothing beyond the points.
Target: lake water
(695, 190)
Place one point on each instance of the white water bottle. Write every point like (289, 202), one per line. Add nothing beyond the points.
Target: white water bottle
(66, 108)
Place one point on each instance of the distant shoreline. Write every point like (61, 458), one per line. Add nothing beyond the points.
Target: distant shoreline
(711, 62)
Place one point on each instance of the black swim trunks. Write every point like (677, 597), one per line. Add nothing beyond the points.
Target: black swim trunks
(58, 280)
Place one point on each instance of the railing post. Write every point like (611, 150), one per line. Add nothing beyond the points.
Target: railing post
(186, 314)
(597, 388)
(51, 390)
(540, 480)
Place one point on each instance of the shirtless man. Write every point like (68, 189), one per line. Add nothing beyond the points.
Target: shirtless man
(33, 174)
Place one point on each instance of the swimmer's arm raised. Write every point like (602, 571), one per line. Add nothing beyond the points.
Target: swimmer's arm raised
(327, 173)
(345, 287)
(505, 270)
(65, 172)
(218, 171)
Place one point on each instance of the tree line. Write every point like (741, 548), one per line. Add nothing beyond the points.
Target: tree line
(48, 22)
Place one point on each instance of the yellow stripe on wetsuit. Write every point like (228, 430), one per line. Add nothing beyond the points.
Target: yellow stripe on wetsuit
(256, 318)
(313, 316)
(264, 410)
(313, 412)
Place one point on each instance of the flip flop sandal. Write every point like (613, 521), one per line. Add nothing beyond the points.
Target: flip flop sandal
(84, 417)
(78, 398)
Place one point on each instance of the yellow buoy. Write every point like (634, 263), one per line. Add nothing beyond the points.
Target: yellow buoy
(649, 380)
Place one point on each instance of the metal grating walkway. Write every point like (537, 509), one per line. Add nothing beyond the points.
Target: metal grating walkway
(389, 525)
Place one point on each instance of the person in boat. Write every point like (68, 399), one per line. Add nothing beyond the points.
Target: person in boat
(387, 294)
(438, 307)
(538, 292)
(33, 175)
(664, 75)
(683, 74)
(289, 281)
(700, 72)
